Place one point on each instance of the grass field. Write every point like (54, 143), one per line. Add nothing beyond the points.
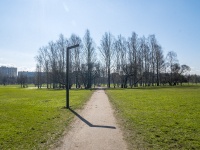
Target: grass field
(34, 119)
(159, 118)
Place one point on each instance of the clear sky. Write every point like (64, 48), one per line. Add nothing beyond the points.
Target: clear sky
(27, 25)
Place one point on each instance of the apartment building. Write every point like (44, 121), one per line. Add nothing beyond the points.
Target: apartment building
(8, 71)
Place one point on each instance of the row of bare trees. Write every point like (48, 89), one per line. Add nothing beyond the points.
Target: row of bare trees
(52, 60)
(119, 61)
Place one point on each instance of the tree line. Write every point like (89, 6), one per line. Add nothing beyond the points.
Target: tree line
(117, 61)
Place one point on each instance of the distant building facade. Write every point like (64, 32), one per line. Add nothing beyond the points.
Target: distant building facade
(26, 77)
(8, 71)
(27, 74)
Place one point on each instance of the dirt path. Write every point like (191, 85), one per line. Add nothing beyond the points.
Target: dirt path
(94, 128)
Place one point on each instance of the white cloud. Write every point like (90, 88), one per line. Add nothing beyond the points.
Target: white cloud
(195, 70)
(23, 68)
(7, 64)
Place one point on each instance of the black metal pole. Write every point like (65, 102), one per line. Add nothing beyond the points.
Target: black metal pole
(67, 74)
(67, 80)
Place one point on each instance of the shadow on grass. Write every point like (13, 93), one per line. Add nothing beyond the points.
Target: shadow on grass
(88, 123)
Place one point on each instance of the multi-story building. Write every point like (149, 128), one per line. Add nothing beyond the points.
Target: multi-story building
(8, 71)
(27, 74)
(28, 77)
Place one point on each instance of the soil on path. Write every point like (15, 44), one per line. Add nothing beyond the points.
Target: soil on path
(95, 128)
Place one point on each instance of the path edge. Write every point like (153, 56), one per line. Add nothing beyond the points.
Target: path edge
(59, 141)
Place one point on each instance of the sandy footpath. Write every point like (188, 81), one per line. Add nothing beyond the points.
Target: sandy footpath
(94, 128)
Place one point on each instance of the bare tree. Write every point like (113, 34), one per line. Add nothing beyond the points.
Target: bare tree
(171, 61)
(60, 47)
(53, 59)
(144, 52)
(76, 61)
(133, 54)
(43, 52)
(106, 49)
(89, 52)
(120, 57)
(152, 45)
(159, 61)
(39, 71)
(179, 74)
(22, 80)
(184, 69)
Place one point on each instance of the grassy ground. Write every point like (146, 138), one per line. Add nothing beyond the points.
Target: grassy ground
(34, 119)
(159, 118)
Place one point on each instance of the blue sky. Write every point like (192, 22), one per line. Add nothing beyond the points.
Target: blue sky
(27, 25)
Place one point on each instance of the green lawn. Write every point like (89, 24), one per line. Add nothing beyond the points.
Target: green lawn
(159, 118)
(34, 119)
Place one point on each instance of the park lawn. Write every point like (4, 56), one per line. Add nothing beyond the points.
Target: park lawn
(159, 118)
(35, 118)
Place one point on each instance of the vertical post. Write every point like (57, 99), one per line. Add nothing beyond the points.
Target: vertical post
(67, 74)
(67, 80)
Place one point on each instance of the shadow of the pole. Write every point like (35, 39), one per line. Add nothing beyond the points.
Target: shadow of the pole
(88, 123)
